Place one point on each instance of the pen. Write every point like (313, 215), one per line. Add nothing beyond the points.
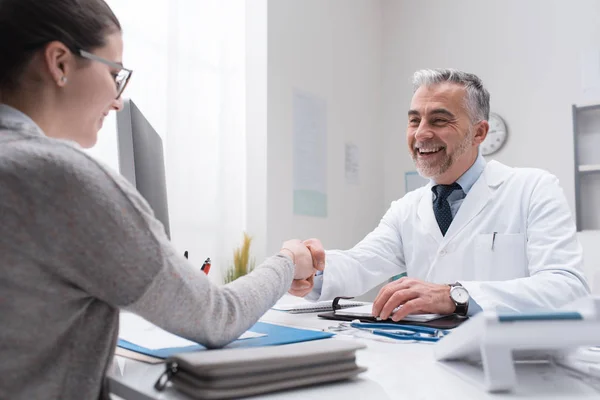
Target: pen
(493, 240)
(206, 266)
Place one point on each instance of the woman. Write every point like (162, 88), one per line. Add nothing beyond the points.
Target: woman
(77, 241)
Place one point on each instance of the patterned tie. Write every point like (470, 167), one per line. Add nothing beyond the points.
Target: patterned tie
(441, 207)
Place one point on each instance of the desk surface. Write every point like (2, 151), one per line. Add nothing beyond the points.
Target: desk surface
(395, 370)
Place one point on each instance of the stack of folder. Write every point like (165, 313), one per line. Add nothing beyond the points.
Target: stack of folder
(136, 335)
(240, 372)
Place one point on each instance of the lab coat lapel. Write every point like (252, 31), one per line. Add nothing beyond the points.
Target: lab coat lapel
(427, 217)
(478, 197)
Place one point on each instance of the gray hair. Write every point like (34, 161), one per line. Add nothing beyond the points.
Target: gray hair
(477, 101)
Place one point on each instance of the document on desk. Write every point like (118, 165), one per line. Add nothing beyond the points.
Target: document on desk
(365, 311)
(138, 335)
(137, 330)
(308, 307)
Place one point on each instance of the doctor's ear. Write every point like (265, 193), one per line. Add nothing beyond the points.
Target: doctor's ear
(481, 131)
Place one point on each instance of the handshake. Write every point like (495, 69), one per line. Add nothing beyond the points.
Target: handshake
(309, 257)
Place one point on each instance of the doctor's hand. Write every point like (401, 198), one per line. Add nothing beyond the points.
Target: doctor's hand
(301, 286)
(415, 297)
(301, 257)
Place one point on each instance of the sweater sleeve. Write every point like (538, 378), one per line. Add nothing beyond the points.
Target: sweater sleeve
(91, 227)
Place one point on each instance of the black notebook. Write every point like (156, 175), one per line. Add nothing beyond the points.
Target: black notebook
(433, 321)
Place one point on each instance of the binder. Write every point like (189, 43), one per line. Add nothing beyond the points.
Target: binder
(275, 335)
(445, 322)
(241, 372)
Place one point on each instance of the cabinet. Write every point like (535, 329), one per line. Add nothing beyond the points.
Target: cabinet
(586, 136)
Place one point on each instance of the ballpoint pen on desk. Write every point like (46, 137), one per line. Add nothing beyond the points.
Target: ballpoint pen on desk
(206, 266)
(493, 239)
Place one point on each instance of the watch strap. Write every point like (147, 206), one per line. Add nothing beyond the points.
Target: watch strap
(460, 309)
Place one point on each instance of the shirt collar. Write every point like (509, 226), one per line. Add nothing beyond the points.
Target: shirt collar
(11, 118)
(468, 179)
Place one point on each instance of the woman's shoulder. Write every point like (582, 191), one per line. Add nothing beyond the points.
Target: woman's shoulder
(60, 161)
(60, 166)
(47, 156)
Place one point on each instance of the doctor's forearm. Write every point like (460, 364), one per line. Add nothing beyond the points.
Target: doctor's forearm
(352, 273)
(545, 290)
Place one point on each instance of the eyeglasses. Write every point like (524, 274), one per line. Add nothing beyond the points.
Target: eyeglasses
(121, 78)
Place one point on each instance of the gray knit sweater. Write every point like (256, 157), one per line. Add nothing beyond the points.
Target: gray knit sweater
(77, 242)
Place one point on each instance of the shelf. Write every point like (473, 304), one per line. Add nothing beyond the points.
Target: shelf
(589, 168)
(586, 141)
(588, 107)
(589, 192)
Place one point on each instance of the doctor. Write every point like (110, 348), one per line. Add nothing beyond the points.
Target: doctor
(478, 236)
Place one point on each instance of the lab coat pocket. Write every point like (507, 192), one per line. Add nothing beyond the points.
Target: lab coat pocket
(500, 257)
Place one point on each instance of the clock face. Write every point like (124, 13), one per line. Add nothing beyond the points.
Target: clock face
(496, 136)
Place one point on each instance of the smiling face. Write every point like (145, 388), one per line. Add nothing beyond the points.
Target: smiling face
(441, 137)
(60, 65)
(91, 92)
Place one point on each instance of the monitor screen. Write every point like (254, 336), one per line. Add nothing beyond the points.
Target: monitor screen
(141, 159)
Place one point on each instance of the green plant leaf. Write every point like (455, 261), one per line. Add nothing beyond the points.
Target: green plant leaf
(242, 264)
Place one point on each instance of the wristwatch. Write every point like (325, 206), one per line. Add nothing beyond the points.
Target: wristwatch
(460, 296)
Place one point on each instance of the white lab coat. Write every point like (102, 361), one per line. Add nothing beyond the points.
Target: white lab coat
(535, 261)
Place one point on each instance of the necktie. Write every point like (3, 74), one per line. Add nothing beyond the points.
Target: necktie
(441, 207)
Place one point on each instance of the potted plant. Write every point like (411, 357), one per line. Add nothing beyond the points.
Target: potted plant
(242, 264)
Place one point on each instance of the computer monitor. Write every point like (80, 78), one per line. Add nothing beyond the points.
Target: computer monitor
(141, 159)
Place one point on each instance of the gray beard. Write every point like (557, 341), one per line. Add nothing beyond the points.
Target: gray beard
(432, 170)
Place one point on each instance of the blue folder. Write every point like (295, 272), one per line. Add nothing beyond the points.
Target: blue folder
(276, 335)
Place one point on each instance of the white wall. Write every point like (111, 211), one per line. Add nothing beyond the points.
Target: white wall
(331, 49)
(526, 52)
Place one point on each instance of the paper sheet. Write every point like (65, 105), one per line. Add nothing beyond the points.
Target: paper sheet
(137, 330)
(365, 311)
(121, 365)
(352, 164)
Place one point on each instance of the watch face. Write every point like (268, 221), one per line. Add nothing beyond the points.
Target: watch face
(459, 294)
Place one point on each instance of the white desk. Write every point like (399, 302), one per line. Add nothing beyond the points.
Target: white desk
(395, 371)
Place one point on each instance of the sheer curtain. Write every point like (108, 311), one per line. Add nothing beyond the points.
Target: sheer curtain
(188, 58)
